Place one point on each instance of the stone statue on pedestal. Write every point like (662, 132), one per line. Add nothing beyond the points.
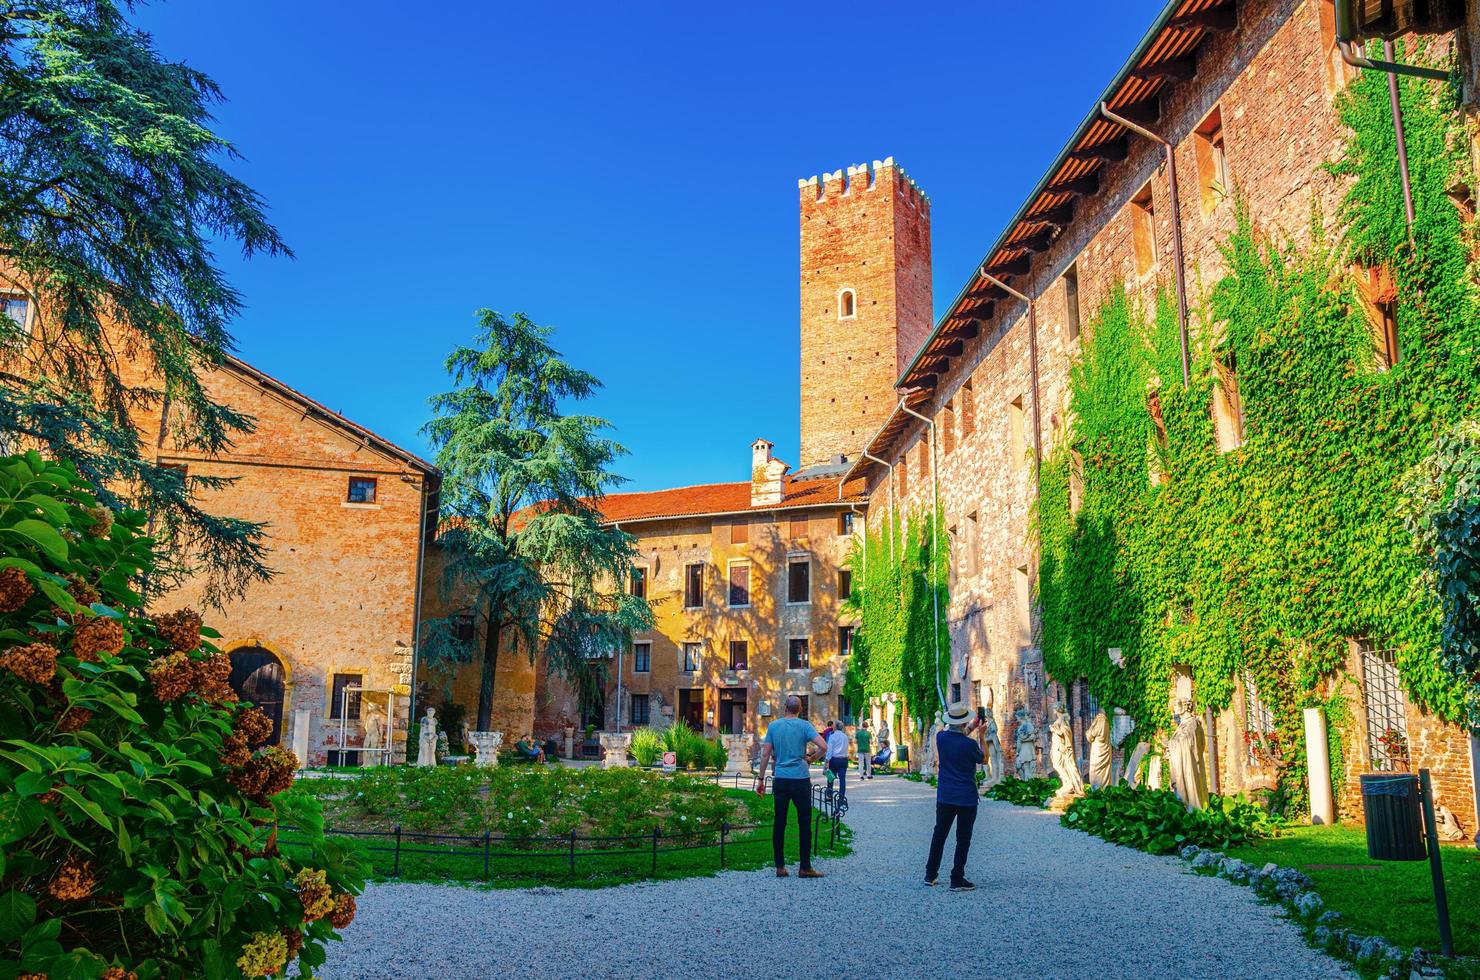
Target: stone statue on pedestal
(1026, 737)
(374, 732)
(426, 740)
(992, 744)
(1061, 754)
(1101, 754)
(1185, 754)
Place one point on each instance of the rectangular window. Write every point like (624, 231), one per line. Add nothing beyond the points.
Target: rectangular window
(1023, 593)
(740, 532)
(1387, 715)
(799, 580)
(462, 627)
(1017, 433)
(955, 691)
(361, 490)
(845, 523)
(739, 654)
(693, 586)
(806, 707)
(845, 583)
(1212, 162)
(1380, 297)
(968, 409)
(923, 460)
(1071, 301)
(1143, 230)
(739, 583)
(691, 657)
(640, 708)
(18, 309)
(638, 584)
(799, 656)
(798, 526)
(970, 545)
(1228, 406)
(642, 658)
(342, 703)
(946, 425)
(845, 641)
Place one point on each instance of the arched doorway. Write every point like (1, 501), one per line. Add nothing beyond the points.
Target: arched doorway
(257, 676)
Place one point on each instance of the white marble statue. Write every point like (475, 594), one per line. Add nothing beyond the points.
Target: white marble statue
(1061, 754)
(992, 746)
(1026, 738)
(373, 730)
(1185, 758)
(1132, 774)
(1446, 824)
(929, 763)
(426, 740)
(1101, 755)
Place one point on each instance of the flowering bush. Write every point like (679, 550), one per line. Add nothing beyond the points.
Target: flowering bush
(138, 824)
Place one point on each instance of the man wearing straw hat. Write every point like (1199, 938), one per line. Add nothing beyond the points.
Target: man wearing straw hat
(958, 755)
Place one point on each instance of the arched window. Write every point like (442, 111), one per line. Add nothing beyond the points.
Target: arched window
(257, 676)
(845, 304)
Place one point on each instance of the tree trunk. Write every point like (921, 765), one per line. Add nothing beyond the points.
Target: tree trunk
(490, 664)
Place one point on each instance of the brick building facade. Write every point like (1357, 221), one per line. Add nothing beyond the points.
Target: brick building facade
(1241, 90)
(346, 514)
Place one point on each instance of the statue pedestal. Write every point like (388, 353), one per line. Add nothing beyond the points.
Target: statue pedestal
(737, 748)
(300, 735)
(486, 744)
(570, 741)
(614, 750)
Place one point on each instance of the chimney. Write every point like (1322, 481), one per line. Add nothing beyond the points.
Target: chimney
(767, 475)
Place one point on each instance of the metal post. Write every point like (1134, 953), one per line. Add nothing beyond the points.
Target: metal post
(724, 829)
(1387, 50)
(655, 851)
(487, 839)
(1436, 864)
(396, 867)
(572, 852)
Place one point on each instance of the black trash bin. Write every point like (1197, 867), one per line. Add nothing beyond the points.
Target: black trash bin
(1394, 817)
(903, 754)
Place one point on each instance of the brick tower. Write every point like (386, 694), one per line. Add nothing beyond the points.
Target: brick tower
(865, 301)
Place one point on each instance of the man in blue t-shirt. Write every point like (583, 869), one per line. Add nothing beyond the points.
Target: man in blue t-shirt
(957, 754)
(787, 739)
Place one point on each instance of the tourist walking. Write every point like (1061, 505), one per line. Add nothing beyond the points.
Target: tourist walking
(958, 754)
(786, 741)
(863, 738)
(837, 758)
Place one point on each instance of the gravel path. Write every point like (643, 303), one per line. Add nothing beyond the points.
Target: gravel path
(1050, 903)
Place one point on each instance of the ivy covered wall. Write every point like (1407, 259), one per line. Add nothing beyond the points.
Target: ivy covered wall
(1270, 556)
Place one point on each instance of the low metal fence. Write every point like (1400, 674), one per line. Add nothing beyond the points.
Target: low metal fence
(562, 855)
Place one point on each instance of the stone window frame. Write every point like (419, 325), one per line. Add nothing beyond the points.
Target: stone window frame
(686, 566)
(645, 664)
(640, 571)
(745, 662)
(358, 704)
(683, 657)
(852, 295)
(807, 649)
(28, 323)
(1214, 179)
(1143, 230)
(1229, 414)
(647, 709)
(1073, 323)
(797, 558)
(749, 584)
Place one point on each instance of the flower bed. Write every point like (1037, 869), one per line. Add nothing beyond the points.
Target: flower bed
(1025, 792)
(1155, 820)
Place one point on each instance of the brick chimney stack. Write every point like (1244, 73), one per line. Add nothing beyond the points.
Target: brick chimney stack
(767, 475)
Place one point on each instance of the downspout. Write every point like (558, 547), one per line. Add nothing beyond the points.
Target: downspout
(1176, 231)
(934, 542)
(421, 561)
(1032, 366)
(890, 470)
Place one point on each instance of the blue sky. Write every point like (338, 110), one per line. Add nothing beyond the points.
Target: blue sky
(624, 172)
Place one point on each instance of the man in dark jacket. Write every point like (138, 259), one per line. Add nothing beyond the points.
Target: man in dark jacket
(959, 751)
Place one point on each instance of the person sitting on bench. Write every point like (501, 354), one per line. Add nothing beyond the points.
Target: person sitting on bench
(882, 757)
(529, 750)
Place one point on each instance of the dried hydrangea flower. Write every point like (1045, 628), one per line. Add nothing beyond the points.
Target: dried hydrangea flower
(15, 589)
(314, 893)
(95, 638)
(74, 880)
(180, 629)
(343, 912)
(74, 719)
(34, 662)
(265, 955)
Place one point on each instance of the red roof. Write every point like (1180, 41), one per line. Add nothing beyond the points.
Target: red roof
(722, 498)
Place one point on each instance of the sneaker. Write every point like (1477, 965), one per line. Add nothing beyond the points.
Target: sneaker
(930, 882)
(782, 873)
(809, 873)
(962, 886)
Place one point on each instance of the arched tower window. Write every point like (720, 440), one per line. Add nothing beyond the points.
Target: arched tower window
(845, 304)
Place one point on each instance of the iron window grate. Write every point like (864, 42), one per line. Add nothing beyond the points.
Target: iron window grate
(1387, 721)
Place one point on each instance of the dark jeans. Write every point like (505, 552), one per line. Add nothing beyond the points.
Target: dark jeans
(839, 768)
(788, 792)
(965, 818)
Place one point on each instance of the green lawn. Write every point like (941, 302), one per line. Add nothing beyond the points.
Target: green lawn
(615, 863)
(1393, 899)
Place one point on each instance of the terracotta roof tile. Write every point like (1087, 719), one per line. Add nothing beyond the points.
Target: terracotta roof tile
(721, 498)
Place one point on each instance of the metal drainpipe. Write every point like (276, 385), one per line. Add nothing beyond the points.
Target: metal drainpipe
(935, 543)
(1171, 157)
(421, 560)
(890, 470)
(1032, 366)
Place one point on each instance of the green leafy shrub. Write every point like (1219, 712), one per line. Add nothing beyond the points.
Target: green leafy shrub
(1155, 820)
(138, 827)
(647, 746)
(1025, 792)
(692, 750)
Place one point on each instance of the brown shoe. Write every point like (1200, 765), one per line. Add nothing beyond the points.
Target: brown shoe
(782, 873)
(809, 873)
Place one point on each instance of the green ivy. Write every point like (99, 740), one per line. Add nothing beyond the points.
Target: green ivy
(900, 593)
(1268, 558)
